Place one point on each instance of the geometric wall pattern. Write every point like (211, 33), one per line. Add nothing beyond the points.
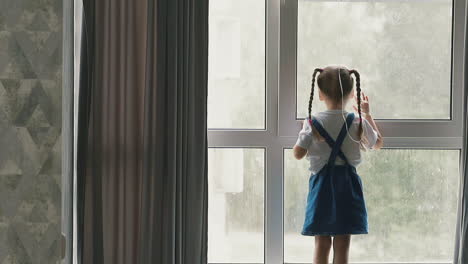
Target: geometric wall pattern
(30, 131)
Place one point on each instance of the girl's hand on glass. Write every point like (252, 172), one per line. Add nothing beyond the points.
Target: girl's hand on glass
(365, 109)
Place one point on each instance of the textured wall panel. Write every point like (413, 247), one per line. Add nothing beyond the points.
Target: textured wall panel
(30, 129)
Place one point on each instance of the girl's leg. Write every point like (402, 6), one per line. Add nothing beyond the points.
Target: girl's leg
(341, 249)
(322, 249)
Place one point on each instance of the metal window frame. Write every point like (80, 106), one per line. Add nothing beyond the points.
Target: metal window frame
(282, 126)
(449, 130)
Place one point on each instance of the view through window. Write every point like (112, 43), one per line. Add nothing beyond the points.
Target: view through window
(402, 48)
(236, 199)
(405, 61)
(411, 198)
(236, 78)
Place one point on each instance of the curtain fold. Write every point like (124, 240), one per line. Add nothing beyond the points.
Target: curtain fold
(142, 141)
(461, 243)
(110, 130)
(174, 186)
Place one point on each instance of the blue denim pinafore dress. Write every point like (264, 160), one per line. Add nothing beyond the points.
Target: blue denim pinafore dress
(335, 202)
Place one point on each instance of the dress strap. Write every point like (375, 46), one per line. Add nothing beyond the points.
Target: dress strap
(330, 141)
(336, 151)
(340, 139)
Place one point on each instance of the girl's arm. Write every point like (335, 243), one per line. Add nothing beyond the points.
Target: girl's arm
(365, 111)
(303, 141)
(299, 152)
(379, 143)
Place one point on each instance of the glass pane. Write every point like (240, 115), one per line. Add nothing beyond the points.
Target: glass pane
(411, 207)
(404, 58)
(236, 77)
(235, 205)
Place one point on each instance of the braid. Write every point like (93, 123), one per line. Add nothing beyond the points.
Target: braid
(317, 70)
(358, 91)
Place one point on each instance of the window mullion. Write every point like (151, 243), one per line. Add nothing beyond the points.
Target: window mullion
(274, 153)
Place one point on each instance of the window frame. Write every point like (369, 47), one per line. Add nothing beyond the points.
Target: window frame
(443, 132)
(282, 127)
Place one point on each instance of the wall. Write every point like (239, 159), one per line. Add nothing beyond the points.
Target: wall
(30, 130)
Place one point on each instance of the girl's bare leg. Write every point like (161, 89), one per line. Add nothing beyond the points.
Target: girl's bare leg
(341, 249)
(322, 249)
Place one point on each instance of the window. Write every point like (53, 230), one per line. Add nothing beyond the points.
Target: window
(236, 198)
(402, 54)
(236, 79)
(253, 127)
(411, 207)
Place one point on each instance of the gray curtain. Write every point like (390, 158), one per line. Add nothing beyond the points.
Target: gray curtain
(461, 244)
(142, 142)
(110, 129)
(174, 205)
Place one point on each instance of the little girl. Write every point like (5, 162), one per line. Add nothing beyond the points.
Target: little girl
(332, 141)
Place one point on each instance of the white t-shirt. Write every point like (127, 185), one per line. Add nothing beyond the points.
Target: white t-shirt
(318, 151)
